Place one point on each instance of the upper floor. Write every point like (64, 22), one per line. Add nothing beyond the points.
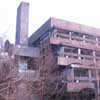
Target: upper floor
(87, 58)
(67, 33)
(76, 43)
(75, 39)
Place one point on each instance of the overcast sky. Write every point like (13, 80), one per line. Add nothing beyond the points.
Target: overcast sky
(81, 11)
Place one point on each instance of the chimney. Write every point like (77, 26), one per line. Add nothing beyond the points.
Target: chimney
(22, 23)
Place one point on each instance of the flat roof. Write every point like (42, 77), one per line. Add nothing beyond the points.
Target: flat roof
(65, 25)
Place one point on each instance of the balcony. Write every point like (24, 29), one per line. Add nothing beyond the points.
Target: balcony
(76, 87)
(83, 60)
(74, 42)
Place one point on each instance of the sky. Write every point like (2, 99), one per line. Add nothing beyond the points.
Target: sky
(85, 12)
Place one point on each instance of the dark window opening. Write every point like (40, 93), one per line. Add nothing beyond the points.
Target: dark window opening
(81, 72)
(93, 73)
(86, 52)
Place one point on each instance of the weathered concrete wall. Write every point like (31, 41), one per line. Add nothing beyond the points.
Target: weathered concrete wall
(27, 51)
(22, 23)
(64, 25)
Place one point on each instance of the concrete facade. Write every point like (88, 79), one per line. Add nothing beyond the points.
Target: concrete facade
(61, 60)
(22, 23)
(74, 52)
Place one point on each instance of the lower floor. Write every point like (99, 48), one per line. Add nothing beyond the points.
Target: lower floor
(85, 94)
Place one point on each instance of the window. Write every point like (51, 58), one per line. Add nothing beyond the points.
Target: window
(23, 66)
(81, 72)
(86, 52)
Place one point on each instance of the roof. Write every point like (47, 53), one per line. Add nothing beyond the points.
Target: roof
(65, 25)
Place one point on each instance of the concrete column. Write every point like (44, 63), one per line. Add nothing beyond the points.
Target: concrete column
(98, 86)
(97, 77)
(96, 41)
(90, 75)
(94, 57)
(62, 51)
(22, 24)
(72, 74)
(83, 38)
(79, 53)
(54, 33)
(70, 34)
(49, 34)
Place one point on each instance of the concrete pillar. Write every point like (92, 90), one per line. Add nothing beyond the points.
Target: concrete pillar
(98, 86)
(90, 75)
(22, 23)
(49, 34)
(79, 53)
(94, 57)
(54, 33)
(96, 41)
(72, 74)
(62, 51)
(83, 38)
(70, 34)
(97, 77)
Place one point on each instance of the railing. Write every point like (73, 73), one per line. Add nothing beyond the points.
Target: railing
(82, 57)
(63, 35)
(76, 41)
(85, 60)
(78, 38)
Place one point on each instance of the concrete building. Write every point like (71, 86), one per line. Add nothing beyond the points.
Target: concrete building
(61, 61)
(22, 23)
(69, 57)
